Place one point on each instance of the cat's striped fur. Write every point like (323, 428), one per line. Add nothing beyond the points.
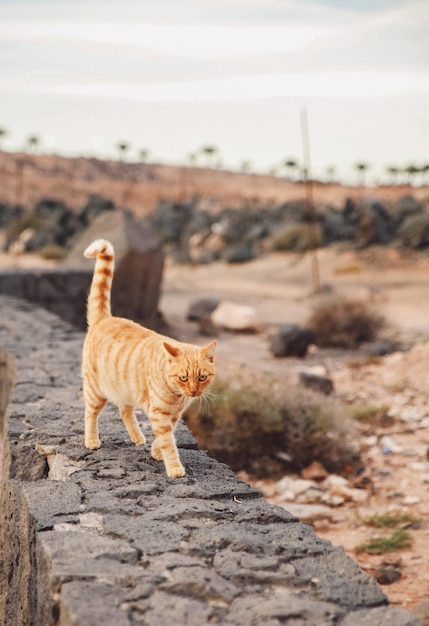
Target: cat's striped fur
(133, 367)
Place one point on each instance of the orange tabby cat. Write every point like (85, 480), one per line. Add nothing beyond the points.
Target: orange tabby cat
(133, 367)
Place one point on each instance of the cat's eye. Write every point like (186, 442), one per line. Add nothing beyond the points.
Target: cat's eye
(183, 379)
(202, 378)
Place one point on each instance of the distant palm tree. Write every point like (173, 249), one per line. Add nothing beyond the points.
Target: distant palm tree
(245, 166)
(123, 147)
(3, 134)
(330, 173)
(411, 170)
(393, 171)
(143, 154)
(291, 166)
(192, 158)
(361, 167)
(33, 143)
(210, 152)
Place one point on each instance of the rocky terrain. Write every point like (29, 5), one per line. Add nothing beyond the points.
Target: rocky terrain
(394, 444)
(280, 289)
(27, 178)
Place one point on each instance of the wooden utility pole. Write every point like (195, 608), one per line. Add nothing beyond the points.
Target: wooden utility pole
(308, 185)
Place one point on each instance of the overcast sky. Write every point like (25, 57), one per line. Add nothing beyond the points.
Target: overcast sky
(170, 76)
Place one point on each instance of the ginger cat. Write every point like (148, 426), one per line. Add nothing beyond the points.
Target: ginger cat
(133, 367)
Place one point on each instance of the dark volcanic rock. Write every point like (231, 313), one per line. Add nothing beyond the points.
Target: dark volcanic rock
(292, 340)
(322, 384)
(108, 539)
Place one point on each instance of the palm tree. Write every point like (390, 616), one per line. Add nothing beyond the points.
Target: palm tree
(192, 158)
(123, 147)
(3, 133)
(210, 152)
(33, 143)
(291, 165)
(393, 171)
(143, 154)
(411, 170)
(361, 168)
(245, 166)
(330, 173)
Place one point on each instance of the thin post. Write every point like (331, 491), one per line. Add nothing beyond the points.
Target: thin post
(308, 185)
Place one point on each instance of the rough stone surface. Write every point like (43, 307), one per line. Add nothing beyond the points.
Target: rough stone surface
(136, 285)
(115, 542)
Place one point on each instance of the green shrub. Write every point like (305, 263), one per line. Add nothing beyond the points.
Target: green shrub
(26, 220)
(297, 237)
(400, 539)
(345, 323)
(263, 426)
(371, 414)
(391, 520)
(53, 252)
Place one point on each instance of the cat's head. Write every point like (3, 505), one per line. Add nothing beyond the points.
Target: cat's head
(190, 369)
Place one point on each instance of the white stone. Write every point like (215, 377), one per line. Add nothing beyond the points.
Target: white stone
(412, 414)
(233, 316)
(334, 480)
(317, 370)
(288, 485)
(417, 466)
(387, 443)
(309, 512)
(332, 500)
(411, 500)
(370, 441)
(311, 496)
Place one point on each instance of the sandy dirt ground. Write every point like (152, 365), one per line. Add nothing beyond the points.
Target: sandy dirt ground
(280, 288)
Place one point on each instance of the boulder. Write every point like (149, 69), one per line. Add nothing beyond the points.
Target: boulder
(96, 205)
(292, 340)
(321, 384)
(238, 253)
(414, 232)
(238, 317)
(138, 264)
(201, 308)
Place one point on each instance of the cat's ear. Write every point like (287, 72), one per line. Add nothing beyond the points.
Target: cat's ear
(209, 351)
(172, 350)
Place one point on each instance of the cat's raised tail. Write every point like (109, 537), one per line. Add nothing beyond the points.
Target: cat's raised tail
(98, 306)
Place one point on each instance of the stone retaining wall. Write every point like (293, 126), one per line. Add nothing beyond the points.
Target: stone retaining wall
(62, 291)
(103, 537)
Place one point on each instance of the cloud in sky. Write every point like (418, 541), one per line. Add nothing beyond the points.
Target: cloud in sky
(86, 55)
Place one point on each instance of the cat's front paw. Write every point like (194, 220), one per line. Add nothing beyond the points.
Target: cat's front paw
(177, 471)
(92, 443)
(140, 440)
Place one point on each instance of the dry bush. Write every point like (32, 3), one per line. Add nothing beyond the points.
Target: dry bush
(53, 252)
(265, 427)
(343, 323)
(26, 220)
(297, 237)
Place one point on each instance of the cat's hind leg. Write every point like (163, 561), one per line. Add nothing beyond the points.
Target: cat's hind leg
(93, 408)
(132, 425)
